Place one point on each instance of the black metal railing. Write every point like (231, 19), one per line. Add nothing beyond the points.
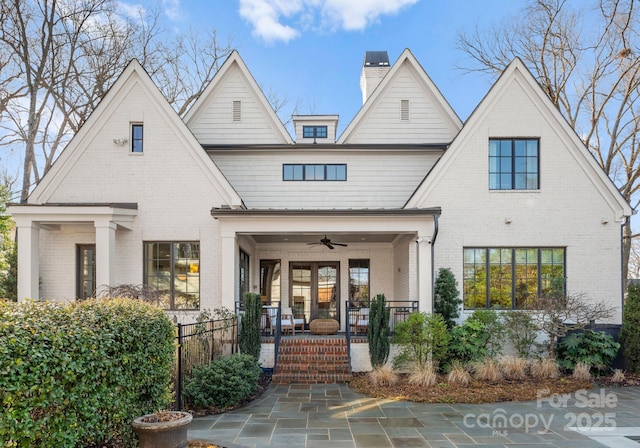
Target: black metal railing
(199, 344)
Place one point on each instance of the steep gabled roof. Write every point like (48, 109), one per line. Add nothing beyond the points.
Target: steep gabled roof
(225, 75)
(446, 114)
(517, 72)
(133, 75)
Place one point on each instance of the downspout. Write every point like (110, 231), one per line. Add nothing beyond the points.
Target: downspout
(623, 274)
(433, 242)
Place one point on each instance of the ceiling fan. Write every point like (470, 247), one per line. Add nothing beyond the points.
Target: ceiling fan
(327, 242)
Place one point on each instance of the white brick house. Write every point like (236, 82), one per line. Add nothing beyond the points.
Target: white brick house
(227, 201)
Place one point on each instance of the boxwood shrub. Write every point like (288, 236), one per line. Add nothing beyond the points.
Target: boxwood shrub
(223, 383)
(76, 375)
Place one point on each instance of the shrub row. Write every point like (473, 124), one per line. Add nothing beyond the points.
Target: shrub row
(78, 374)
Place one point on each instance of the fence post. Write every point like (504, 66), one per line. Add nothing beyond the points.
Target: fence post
(179, 379)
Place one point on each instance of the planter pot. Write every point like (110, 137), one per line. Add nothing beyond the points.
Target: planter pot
(171, 433)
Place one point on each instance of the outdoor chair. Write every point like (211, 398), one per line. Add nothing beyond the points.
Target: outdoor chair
(298, 323)
(286, 321)
(359, 321)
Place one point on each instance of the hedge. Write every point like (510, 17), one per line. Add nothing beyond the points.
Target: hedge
(76, 375)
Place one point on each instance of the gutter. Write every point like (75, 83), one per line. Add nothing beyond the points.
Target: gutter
(433, 266)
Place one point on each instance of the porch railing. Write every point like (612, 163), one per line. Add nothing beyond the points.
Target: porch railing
(270, 321)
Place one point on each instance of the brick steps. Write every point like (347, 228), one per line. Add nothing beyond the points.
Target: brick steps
(312, 361)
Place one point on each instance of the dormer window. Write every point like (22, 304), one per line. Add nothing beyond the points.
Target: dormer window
(314, 131)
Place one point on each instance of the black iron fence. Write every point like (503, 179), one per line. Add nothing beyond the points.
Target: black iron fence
(199, 344)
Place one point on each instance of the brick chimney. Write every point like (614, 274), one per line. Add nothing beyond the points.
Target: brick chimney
(375, 67)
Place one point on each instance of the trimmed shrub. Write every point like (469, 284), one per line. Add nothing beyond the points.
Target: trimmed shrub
(223, 383)
(249, 338)
(447, 300)
(78, 374)
(378, 330)
(630, 333)
(592, 348)
(423, 338)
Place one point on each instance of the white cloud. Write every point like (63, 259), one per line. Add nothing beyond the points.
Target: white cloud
(283, 20)
(172, 9)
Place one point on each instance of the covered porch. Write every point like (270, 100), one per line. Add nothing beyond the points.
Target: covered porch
(316, 263)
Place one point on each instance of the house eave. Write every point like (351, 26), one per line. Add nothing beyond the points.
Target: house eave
(228, 212)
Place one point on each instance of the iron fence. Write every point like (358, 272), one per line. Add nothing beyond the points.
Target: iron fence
(199, 344)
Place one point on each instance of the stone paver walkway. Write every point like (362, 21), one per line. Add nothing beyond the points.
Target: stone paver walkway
(332, 415)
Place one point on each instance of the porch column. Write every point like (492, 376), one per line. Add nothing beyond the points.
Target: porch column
(228, 264)
(105, 253)
(425, 270)
(28, 260)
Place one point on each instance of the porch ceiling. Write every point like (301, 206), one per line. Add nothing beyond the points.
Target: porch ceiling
(315, 237)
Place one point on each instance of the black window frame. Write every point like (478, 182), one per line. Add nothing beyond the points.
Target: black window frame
(244, 273)
(315, 131)
(358, 264)
(194, 246)
(137, 142)
(82, 276)
(506, 171)
(323, 172)
(543, 285)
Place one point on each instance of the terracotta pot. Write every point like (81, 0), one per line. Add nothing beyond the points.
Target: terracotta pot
(165, 434)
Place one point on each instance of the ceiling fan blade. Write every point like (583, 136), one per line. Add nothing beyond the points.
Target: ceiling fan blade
(339, 244)
(329, 245)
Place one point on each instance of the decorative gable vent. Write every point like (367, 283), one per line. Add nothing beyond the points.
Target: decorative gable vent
(404, 110)
(237, 111)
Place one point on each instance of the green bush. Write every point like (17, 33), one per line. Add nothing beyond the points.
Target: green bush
(481, 336)
(422, 337)
(630, 333)
(594, 348)
(77, 375)
(378, 331)
(223, 383)
(249, 338)
(447, 297)
(521, 331)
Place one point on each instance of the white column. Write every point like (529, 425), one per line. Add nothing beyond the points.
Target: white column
(425, 272)
(228, 264)
(28, 260)
(105, 253)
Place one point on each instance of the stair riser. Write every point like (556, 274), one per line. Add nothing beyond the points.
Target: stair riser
(312, 361)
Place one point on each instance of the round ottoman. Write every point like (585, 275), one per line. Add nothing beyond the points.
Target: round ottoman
(324, 326)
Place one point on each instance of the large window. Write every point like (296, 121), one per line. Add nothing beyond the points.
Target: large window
(316, 171)
(504, 278)
(173, 270)
(514, 164)
(359, 282)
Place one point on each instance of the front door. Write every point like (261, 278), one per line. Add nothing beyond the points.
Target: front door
(315, 290)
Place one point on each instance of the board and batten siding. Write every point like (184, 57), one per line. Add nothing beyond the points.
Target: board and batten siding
(427, 123)
(215, 125)
(374, 179)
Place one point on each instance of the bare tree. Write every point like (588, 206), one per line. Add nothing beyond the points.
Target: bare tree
(59, 57)
(587, 59)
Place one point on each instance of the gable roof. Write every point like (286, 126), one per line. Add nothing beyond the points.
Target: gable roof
(446, 112)
(134, 74)
(235, 61)
(518, 71)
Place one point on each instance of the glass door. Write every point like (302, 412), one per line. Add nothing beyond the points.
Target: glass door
(315, 290)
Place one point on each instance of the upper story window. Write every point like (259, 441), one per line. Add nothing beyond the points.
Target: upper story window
(314, 131)
(136, 138)
(514, 164)
(299, 171)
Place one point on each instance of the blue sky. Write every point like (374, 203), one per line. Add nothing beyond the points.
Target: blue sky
(311, 51)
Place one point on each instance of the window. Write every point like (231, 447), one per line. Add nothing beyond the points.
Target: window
(514, 164)
(358, 282)
(173, 270)
(86, 271)
(237, 111)
(314, 131)
(404, 110)
(270, 281)
(244, 273)
(136, 138)
(314, 171)
(504, 278)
